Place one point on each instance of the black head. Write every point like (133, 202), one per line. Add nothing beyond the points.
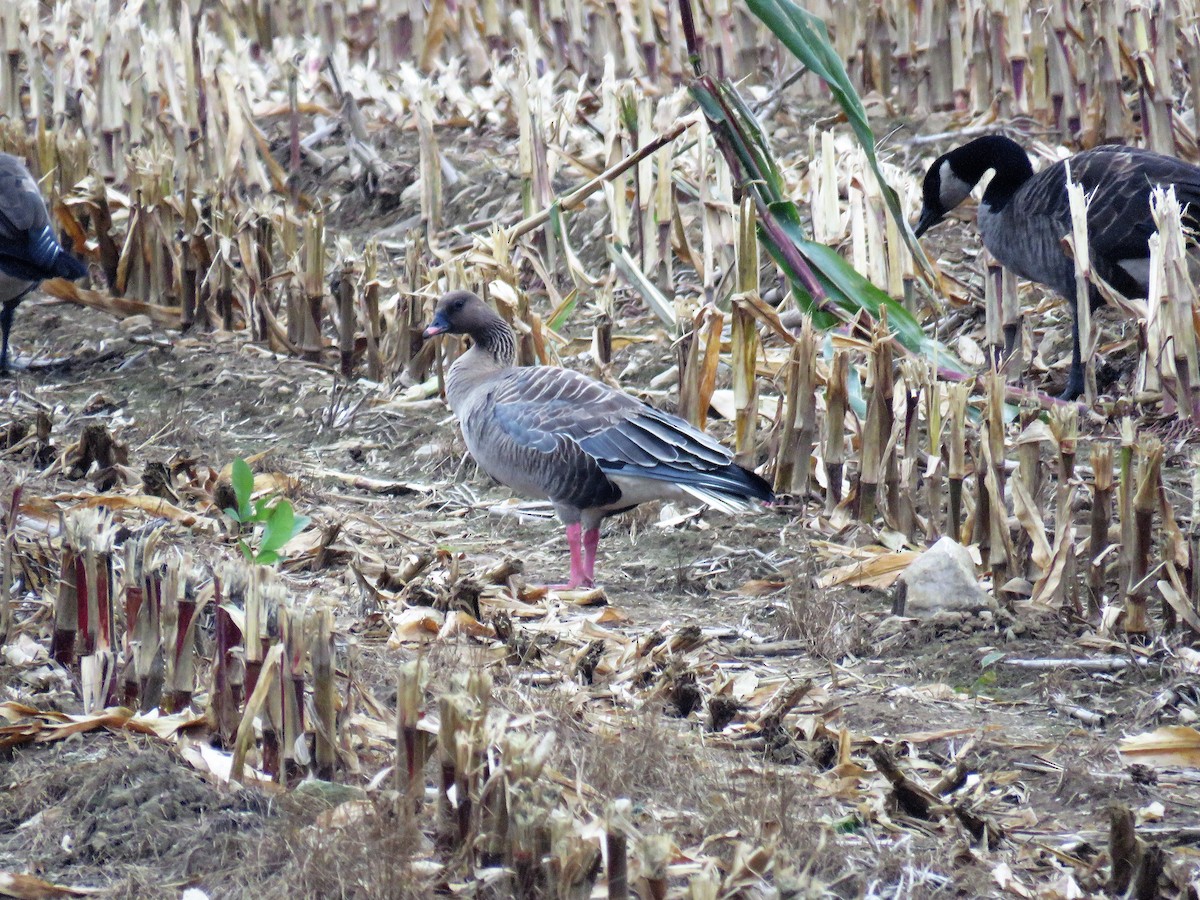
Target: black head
(943, 190)
(459, 312)
(954, 175)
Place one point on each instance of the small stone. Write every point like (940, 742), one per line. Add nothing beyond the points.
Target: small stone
(943, 579)
(137, 326)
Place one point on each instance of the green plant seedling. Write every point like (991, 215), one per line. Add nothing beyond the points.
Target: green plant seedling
(274, 523)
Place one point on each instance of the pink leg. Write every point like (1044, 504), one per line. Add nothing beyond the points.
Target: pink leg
(578, 574)
(591, 540)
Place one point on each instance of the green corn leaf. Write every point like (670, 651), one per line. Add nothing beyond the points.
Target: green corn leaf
(808, 40)
(992, 658)
(243, 487)
(822, 319)
(853, 291)
(278, 530)
(658, 302)
(563, 312)
(706, 96)
(765, 172)
(846, 285)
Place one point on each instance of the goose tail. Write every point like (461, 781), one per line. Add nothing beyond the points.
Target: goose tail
(731, 489)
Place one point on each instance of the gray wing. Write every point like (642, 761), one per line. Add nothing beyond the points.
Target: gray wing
(524, 432)
(586, 430)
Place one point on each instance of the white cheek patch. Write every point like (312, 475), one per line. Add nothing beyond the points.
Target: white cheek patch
(953, 189)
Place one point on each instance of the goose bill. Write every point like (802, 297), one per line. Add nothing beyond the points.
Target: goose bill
(928, 219)
(436, 327)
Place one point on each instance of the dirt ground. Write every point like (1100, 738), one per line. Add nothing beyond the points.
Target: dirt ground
(128, 815)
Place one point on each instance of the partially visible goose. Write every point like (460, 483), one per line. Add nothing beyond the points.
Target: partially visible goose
(29, 251)
(559, 435)
(1023, 217)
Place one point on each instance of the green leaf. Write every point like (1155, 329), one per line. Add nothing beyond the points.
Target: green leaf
(709, 97)
(278, 530)
(848, 825)
(852, 291)
(822, 319)
(233, 514)
(765, 170)
(266, 557)
(661, 305)
(246, 552)
(808, 40)
(300, 524)
(562, 314)
(243, 486)
(986, 680)
(262, 509)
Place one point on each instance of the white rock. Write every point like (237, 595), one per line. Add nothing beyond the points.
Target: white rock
(943, 578)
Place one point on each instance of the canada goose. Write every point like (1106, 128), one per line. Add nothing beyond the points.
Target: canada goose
(1023, 217)
(559, 435)
(29, 251)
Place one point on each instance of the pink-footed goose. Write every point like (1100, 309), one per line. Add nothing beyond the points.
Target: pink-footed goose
(589, 449)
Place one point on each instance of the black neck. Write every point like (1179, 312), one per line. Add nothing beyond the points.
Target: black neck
(994, 151)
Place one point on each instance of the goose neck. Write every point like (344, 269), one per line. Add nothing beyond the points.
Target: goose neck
(1007, 160)
(497, 340)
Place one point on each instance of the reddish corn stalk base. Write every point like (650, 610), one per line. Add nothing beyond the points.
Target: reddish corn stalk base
(66, 612)
(225, 702)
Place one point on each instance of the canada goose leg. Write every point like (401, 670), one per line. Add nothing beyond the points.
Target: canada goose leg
(1075, 376)
(1011, 334)
(6, 320)
(579, 575)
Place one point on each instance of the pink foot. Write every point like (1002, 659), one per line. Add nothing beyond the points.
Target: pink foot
(581, 571)
(591, 540)
(571, 586)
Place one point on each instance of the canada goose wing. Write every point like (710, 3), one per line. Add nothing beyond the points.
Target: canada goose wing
(1121, 180)
(28, 247)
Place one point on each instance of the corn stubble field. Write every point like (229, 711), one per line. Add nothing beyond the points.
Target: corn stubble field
(270, 197)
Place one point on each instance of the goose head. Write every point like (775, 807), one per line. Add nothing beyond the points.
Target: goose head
(954, 175)
(942, 191)
(460, 312)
